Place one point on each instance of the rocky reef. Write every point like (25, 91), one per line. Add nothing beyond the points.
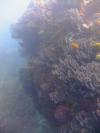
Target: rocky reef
(63, 70)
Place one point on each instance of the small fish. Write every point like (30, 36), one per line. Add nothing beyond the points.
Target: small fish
(97, 44)
(97, 21)
(74, 45)
(87, 26)
(98, 56)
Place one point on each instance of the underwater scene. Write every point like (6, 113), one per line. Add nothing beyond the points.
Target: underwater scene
(50, 66)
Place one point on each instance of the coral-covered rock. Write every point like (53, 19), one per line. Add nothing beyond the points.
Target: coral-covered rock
(65, 80)
(63, 114)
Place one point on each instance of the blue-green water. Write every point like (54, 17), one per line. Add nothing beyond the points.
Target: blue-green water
(17, 113)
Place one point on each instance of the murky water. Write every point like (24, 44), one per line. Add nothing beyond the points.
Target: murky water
(17, 113)
(16, 108)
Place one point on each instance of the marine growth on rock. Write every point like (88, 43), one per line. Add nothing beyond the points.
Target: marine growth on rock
(64, 78)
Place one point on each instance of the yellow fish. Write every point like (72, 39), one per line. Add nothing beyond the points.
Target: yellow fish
(74, 45)
(98, 56)
(97, 44)
(98, 21)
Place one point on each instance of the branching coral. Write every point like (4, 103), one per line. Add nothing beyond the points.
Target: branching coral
(66, 80)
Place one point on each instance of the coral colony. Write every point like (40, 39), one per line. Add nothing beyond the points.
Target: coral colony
(62, 42)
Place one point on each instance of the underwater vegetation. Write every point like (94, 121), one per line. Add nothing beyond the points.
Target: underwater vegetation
(62, 44)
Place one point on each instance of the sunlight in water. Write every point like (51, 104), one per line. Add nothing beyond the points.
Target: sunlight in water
(41, 2)
(11, 10)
